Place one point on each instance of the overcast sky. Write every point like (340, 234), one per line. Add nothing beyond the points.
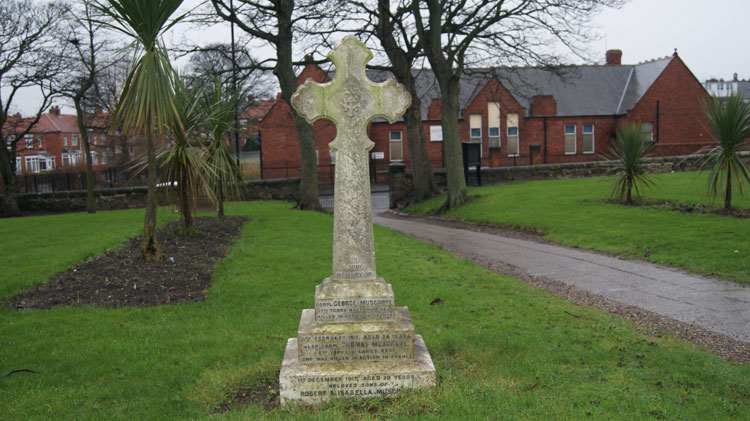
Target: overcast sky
(710, 37)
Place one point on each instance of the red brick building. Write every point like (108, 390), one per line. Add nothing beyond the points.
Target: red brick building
(524, 116)
(54, 143)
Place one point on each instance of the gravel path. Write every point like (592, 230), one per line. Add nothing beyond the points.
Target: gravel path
(707, 312)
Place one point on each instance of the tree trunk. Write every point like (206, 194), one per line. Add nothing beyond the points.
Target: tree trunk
(221, 201)
(149, 246)
(452, 154)
(185, 205)
(401, 63)
(284, 71)
(90, 201)
(629, 194)
(728, 193)
(422, 179)
(10, 189)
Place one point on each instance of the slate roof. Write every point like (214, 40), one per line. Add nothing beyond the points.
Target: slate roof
(587, 90)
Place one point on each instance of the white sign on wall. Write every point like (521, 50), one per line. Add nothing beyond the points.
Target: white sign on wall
(378, 155)
(436, 133)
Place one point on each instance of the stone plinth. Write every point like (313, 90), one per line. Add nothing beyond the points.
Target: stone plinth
(358, 301)
(316, 383)
(350, 343)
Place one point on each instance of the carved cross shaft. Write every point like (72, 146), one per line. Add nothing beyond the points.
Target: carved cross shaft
(350, 101)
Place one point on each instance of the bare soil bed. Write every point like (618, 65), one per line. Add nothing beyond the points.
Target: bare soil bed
(120, 278)
(686, 207)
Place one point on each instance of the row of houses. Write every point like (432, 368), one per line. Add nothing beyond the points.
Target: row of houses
(521, 116)
(54, 143)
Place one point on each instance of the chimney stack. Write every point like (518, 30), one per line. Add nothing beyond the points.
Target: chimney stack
(54, 110)
(614, 57)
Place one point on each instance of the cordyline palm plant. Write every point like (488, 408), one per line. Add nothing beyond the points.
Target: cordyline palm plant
(630, 149)
(146, 105)
(225, 179)
(731, 124)
(184, 160)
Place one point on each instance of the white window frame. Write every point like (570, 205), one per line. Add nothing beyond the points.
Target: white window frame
(18, 165)
(494, 141)
(332, 157)
(512, 123)
(436, 133)
(39, 142)
(104, 158)
(650, 132)
(74, 140)
(65, 140)
(29, 139)
(32, 163)
(593, 138)
(400, 142)
(512, 139)
(565, 138)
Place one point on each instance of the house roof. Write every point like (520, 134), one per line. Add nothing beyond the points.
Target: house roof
(259, 109)
(588, 90)
(52, 122)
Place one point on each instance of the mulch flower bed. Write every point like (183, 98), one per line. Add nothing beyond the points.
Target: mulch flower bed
(121, 278)
(686, 207)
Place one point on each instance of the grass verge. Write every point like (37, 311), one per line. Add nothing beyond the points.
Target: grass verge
(502, 349)
(570, 212)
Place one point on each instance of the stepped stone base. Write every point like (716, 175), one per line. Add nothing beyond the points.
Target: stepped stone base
(315, 383)
(355, 342)
(339, 301)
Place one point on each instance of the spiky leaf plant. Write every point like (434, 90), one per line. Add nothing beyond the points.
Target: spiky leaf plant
(629, 150)
(730, 121)
(146, 104)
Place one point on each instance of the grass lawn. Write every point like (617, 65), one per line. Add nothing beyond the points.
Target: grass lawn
(502, 349)
(570, 212)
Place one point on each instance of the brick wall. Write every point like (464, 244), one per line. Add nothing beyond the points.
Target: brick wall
(680, 129)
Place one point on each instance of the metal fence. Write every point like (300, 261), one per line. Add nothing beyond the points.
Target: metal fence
(68, 181)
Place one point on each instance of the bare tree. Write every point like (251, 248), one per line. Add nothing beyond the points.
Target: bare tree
(89, 57)
(393, 27)
(281, 24)
(30, 58)
(460, 33)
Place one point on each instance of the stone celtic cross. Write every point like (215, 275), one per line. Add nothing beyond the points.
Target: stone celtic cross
(350, 101)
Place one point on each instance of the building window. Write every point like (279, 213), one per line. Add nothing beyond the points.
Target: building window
(588, 138)
(512, 130)
(396, 145)
(65, 140)
(39, 142)
(18, 165)
(104, 157)
(74, 140)
(93, 158)
(102, 139)
(570, 139)
(32, 164)
(29, 141)
(436, 133)
(493, 123)
(70, 159)
(332, 157)
(475, 134)
(647, 129)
